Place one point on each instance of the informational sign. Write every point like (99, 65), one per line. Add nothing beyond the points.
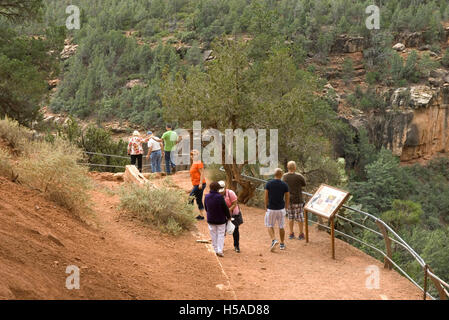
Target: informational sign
(326, 201)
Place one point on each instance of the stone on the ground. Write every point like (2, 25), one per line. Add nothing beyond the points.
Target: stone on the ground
(132, 175)
(399, 47)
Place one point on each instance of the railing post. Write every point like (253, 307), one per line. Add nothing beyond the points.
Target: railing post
(441, 291)
(425, 281)
(387, 263)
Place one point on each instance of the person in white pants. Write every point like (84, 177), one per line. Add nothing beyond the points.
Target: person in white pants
(217, 234)
(217, 216)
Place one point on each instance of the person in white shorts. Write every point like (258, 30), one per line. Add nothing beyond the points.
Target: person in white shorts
(276, 201)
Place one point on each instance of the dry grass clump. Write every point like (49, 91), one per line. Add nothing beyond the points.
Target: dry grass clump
(53, 169)
(15, 134)
(6, 168)
(49, 167)
(165, 208)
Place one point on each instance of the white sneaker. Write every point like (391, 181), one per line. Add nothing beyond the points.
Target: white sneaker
(273, 245)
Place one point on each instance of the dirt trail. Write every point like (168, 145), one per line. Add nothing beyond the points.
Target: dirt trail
(302, 271)
(123, 259)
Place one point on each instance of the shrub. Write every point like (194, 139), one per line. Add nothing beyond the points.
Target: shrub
(53, 169)
(165, 208)
(6, 169)
(14, 133)
(372, 77)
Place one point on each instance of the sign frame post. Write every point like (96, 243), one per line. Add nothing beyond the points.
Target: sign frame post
(325, 203)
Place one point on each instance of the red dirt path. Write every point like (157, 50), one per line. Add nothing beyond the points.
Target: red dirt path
(122, 259)
(302, 271)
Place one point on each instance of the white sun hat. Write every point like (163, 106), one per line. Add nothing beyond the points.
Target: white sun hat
(222, 185)
(136, 133)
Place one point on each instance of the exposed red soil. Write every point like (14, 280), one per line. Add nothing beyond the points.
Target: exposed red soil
(120, 258)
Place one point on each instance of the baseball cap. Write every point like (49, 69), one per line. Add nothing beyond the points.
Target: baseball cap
(149, 132)
(222, 185)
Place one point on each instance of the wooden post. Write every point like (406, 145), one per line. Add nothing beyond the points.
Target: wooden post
(441, 291)
(306, 220)
(333, 236)
(387, 263)
(425, 282)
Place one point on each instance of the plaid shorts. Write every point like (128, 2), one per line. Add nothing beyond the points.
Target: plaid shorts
(296, 212)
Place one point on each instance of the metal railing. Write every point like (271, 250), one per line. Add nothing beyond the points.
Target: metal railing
(441, 286)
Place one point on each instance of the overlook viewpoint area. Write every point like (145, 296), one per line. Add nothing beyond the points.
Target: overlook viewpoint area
(122, 259)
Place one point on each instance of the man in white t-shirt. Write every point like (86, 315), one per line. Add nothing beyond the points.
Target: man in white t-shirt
(154, 152)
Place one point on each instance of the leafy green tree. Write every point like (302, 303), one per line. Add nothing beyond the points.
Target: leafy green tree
(396, 67)
(411, 71)
(239, 94)
(384, 181)
(25, 62)
(403, 214)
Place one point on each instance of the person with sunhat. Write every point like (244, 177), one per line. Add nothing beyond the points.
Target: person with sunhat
(154, 152)
(236, 215)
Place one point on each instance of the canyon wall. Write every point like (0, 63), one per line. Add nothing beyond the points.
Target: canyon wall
(415, 126)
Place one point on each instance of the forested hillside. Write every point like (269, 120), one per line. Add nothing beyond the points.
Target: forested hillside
(121, 41)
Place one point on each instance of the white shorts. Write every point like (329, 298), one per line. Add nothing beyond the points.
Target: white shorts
(274, 216)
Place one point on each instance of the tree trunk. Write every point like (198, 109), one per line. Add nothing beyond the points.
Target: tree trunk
(233, 177)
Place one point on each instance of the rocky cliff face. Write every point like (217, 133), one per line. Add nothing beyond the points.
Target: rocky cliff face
(416, 124)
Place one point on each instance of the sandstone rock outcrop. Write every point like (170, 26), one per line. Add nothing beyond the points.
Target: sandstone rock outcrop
(415, 127)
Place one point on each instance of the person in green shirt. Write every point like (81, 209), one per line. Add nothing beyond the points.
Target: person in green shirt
(169, 139)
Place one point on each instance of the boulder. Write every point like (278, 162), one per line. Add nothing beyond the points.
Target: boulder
(399, 47)
(207, 55)
(414, 97)
(411, 39)
(132, 175)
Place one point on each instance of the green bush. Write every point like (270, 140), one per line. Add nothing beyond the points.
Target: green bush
(165, 208)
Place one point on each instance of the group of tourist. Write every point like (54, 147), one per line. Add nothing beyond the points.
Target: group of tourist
(283, 198)
(283, 194)
(155, 145)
